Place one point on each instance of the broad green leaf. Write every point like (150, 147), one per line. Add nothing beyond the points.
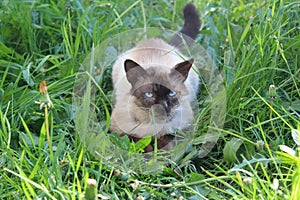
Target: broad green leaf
(122, 142)
(263, 161)
(231, 148)
(142, 143)
(193, 177)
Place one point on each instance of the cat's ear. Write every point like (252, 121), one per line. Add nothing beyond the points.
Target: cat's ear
(133, 71)
(182, 69)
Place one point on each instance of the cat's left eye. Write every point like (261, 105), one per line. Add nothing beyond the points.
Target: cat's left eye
(172, 94)
(149, 94)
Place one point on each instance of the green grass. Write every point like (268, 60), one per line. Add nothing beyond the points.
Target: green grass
(254, 44)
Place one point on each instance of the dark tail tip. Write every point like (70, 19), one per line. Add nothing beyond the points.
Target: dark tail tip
(190, 29)
(192, 22)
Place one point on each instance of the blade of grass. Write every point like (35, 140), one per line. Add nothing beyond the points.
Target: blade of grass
(28, 182)
(124, 13)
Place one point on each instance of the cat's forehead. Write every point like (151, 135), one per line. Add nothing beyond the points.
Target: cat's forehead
(158, 76)
(154, 87)
(159, 73)
(147, 87)
(162, 73)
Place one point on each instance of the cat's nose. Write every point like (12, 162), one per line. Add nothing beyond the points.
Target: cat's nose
(165, 106)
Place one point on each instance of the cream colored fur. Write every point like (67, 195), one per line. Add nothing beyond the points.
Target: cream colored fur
(127, 117)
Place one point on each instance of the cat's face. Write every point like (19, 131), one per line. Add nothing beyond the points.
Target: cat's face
(156, 91)
(160, 99)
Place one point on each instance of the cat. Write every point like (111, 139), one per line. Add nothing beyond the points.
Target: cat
(155, 86)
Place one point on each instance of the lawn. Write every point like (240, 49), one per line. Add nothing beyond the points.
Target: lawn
(44, 45)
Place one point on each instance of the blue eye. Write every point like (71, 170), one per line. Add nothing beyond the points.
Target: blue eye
(148, 94)
(172, 94)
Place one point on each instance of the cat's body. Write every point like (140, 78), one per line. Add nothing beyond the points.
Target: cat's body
(155, 87)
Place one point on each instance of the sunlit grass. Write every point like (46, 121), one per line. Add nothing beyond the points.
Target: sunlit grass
(254, 44)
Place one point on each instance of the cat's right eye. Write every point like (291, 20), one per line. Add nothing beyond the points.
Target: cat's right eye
(148, 94)
(172, 94)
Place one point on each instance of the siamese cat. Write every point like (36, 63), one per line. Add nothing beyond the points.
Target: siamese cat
(154, 86)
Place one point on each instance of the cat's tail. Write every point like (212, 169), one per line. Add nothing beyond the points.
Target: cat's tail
(190, 28)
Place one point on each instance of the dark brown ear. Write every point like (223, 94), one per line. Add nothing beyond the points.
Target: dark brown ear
(181, 70)
(133, 71)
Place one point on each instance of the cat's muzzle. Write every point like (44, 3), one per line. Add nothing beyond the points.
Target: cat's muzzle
(160, 112)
